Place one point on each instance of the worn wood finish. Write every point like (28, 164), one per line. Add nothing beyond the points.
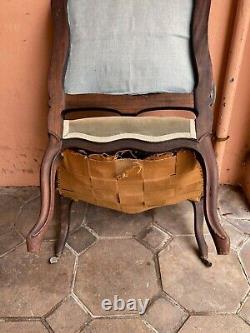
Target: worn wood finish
(198, 229)
(65, 205)
(210, 171)
(47, 185)
(204, 92)
(200, 102)
(88, 113)
(60, 53)
(130, 104)
(111, 147)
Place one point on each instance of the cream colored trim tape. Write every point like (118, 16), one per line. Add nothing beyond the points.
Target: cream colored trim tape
(148, 129)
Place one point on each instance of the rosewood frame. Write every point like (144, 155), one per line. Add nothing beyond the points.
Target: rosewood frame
(199, 102)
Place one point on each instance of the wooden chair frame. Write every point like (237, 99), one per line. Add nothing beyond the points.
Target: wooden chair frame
(65, 106)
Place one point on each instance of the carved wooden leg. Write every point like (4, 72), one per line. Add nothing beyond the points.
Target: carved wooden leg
(198, 227)
(65, 206)
(48, 173)
(219, 235)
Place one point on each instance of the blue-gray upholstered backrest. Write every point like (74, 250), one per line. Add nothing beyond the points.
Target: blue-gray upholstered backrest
(129, 47)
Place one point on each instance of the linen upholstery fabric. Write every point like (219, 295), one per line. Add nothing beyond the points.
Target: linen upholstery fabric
(129, 47)
(149, 129)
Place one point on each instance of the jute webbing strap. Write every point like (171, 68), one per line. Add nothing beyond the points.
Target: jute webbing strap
(130, 185)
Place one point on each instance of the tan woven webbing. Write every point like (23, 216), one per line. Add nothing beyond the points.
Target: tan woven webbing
(130, 185)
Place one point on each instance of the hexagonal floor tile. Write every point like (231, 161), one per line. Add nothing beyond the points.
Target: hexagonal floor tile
(68, 318)
(242, 225)
(30, 286)
(237, 238)
(23, 194)
(9, 240)
(27, 193)
(154, 238)
(77, 214)
(22, 327)
(245, 257)
(245, 310)
(30, 213)
(232, 203)
(117, 326)
(8, 216)
(165, 316)
(196, 287)
(81, 239)
(115, 267)
(108, 222)
(215, 324)
(177, 219)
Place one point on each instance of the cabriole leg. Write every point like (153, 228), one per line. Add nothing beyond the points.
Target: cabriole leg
(48, 174)
(65, 206)
(199, 234)
(220, 237)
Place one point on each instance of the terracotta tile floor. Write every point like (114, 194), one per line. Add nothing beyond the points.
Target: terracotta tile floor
(145, 256)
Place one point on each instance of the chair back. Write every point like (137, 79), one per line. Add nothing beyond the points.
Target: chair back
(131, 57)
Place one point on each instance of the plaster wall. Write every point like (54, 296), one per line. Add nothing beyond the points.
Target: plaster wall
(25, 50)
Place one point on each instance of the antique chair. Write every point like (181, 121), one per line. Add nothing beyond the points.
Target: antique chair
(127, 58)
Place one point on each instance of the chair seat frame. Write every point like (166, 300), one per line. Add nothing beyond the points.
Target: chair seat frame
(65, 106)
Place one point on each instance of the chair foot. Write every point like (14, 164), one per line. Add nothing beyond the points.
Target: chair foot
(222, 245)
(222, 241)
(206, 262)
(48, 173)
(65, 205)
(54, 260)
(219, 235)
(198, 228)
(34, 243)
